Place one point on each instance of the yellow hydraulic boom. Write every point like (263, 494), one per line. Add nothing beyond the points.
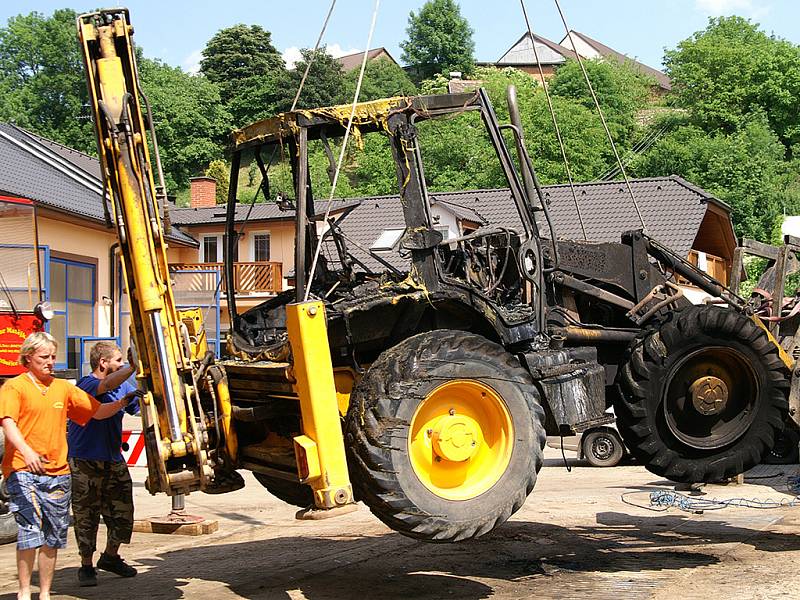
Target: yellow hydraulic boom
(175, 431)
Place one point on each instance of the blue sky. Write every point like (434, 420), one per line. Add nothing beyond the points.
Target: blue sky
(176, 31)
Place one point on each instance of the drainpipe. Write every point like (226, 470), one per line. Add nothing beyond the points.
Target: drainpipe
(112, 278)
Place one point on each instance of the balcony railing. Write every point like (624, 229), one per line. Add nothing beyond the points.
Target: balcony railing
(248, 277)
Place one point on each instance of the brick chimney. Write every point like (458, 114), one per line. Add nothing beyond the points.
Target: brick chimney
(203, 192)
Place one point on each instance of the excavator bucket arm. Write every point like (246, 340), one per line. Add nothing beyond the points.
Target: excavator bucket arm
(175, 430)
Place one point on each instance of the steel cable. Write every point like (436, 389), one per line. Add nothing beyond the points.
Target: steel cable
(555, 121)
(343, 150)
(600, 112)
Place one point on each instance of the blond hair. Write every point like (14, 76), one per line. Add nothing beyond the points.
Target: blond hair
(33, 342)
(102, 350)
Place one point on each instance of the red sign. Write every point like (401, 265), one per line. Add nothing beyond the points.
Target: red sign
(13, 331)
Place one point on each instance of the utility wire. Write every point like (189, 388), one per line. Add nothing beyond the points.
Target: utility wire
(344, 148)
(555, 121)
(600, 112)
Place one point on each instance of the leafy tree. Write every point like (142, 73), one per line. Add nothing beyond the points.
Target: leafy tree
(238, 53)
(439, 40)
(259, 97)
(383, 78)
(218, 169)
(41, 79)
(324, 85)
(732, 69)
(745, 169)
(189, 119)
(621, 92)
(585, 141)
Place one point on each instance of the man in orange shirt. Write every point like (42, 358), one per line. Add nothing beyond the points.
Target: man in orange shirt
(34, 408)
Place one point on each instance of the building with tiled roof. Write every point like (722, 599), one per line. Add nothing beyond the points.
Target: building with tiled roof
(521, 56)
(353, 61)
(591, 48)
(682, 216)
(61, 190)
(552, 55)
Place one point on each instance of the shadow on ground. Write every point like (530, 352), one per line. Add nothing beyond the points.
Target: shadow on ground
(619, 556)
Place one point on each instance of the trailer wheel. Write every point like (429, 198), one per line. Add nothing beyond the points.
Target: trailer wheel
(703, 396)
(296, 494)
(445, 436)
(602, 448)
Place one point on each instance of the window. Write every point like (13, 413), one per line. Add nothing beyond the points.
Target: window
(261, 247)
(210, 249)
(387, 239)
(72, 294)
(444, 230)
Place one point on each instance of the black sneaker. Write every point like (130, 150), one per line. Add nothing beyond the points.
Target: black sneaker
(115, 564)
(87, 576)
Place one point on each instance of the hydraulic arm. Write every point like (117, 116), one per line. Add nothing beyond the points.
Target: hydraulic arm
(175, 431)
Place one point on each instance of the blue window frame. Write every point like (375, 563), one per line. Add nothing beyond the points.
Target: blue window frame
(72, 294)
(18, 269)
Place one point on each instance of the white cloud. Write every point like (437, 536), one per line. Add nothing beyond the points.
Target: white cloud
(716, 8)
(191, 64)
(292, 55)
(335, 50)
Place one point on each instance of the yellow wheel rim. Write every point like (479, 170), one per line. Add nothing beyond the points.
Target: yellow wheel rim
(461, 439)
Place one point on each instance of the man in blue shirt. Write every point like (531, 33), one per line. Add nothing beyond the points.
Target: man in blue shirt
(101, 484)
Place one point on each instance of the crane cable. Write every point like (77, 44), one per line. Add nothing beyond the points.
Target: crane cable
(313, 56)
(344, 148)
(600, 112)
(272, 156)
(555, 121)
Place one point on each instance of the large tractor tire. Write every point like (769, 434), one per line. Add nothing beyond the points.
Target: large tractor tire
(704, 396)
(445, 436)
(290, 492)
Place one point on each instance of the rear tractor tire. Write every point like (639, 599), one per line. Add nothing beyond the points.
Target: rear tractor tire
(704, 396)
(445, 436)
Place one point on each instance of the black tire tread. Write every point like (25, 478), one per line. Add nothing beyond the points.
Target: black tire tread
(376, 396)
(643, 369)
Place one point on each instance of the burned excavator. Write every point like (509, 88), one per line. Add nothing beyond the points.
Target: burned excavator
(424, 390)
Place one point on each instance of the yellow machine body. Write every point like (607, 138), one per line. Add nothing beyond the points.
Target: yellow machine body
(177, 458)
(320, 450)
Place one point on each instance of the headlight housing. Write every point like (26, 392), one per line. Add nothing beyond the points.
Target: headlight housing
(44, 310)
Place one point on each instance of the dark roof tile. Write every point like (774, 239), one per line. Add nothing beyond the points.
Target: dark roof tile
(55, 177)
(672, 210)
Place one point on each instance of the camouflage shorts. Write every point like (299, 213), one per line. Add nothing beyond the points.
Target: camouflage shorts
(101, 488)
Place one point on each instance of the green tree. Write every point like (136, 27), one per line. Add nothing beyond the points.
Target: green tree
(324, 86)
(238, 53)
(383, 78)
(732, 69)
(218, 169)
(42, 85)
(439, 40)
(259, 97)
(621, 92)
(189, 118)
(745, 169)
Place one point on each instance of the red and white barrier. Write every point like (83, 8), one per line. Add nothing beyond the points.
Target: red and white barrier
(135, 455)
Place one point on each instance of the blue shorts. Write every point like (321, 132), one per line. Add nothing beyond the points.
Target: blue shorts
(40, 504)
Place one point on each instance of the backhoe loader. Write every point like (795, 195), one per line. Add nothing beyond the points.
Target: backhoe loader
(423, 386)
